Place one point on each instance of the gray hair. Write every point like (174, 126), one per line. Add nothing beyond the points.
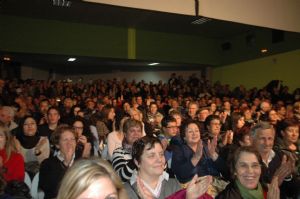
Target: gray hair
(259, 127)
(10, 111)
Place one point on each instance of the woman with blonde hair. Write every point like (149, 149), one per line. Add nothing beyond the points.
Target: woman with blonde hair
(93, 178)
(11, 162)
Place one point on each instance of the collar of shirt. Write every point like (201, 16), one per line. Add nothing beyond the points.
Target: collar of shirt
(155, 192)
(60, 156)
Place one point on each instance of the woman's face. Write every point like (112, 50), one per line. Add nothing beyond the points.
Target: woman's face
(108, 190)
(192, 134)
(2, 140)
(136, 115)
(291, 134)
(152, 162)
(67, 142)
(273, 115)
(29, 127)
(78, 127)
(133, 133)
(111, 114)
(240, 123)
(248, 170)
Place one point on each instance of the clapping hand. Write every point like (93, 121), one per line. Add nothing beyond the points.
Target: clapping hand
(198, 186)
(211, 146)
(143, 192)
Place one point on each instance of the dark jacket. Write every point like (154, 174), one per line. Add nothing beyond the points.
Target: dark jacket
(185, 170)
(52, 172)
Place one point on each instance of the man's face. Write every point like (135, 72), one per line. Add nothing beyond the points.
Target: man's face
(264, 140)
(215, 127)
(171, 129)
(192, 109)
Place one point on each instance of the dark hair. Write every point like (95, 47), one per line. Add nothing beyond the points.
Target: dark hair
(237, 154)
(166, 120)
(235, 117)
(18, 190)
(53, 108)
(209, 119)
(140, 144)
(287, 123)
(185, 125)
(105, 111)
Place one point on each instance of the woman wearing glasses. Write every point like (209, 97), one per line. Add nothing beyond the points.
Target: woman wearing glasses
(85, 139)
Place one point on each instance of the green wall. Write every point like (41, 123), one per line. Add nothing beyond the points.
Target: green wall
(20, 34)
(258, 72)
(55, 37)
(176, 48)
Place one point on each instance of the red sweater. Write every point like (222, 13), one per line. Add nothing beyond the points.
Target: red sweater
(14, 166)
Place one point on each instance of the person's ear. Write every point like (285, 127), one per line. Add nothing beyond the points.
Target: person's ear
(282, 133)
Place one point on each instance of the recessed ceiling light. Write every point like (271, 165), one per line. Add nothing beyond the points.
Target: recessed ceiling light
(153, 64)
(264, 50)
(200, 21)
(6, 58)
(72, 59)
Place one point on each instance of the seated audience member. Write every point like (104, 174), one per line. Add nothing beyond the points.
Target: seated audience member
(41, 114)
(153, 117)
(246, 168)
(106, 124)
(169, 131)
(151, 181)
(7, 115)
(213, 127)
(192, 111)
(121, 160)
(115, 138)
(138, 115)
(53, 117)
(193, 156)
(33, 147)
(53, 169)
(85, 139)
(11, 162)
(238, 122)
(273, 163)
(91, 178)
(289, 144)
(178, 117)
(296, 109)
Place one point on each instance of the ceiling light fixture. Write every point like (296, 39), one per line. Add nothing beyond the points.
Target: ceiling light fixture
(61, 3)
(200, 21)
(72, 59)
(264, 50)
(6, 58)
(153, 64)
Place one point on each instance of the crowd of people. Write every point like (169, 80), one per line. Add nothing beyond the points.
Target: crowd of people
(179, 139)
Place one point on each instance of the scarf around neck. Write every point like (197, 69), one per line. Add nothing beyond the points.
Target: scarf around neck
(246, 193)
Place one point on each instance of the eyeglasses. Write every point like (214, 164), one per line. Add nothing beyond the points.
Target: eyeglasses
(172, 127)
(29, 124)
(78, 127)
